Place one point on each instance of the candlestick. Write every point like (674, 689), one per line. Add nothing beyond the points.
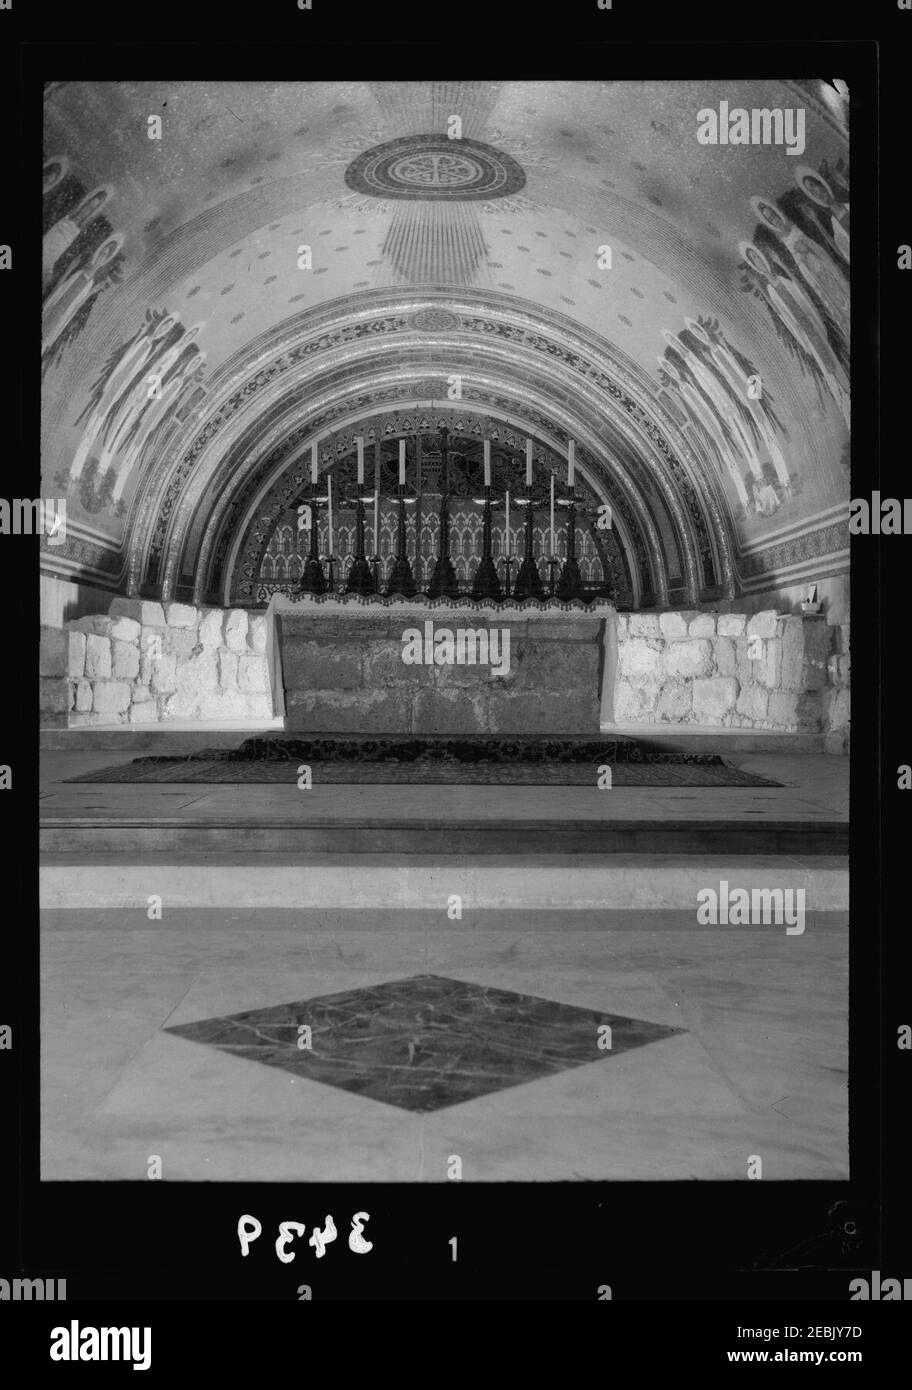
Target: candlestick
(487, 463)
(528, 463)
(553, 546)
(329, 516)
(571, 463)
(313, 463)
(507, 525)
(360, 460)
(402, 463)
(377, 522)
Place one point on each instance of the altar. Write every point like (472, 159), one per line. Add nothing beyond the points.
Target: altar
(346, 664)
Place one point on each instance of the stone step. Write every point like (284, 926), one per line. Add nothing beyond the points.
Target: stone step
(537, 882)
(400, 835)
(191, 736)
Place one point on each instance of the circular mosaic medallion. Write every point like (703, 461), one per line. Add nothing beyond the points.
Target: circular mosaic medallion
(435, 321)
(433, 167)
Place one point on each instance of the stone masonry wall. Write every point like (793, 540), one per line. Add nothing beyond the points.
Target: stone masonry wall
(761, 672)
(143, 663)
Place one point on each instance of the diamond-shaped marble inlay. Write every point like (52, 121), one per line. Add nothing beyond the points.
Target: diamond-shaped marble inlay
(425, 1042)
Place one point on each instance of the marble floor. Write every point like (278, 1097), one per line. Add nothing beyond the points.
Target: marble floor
(476, 1038)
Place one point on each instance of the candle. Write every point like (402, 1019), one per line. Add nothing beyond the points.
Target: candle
(402, 463)
(528, 463)
(553, 547)
(329, 513)
(313, 463)
(571, 463)
(487, 463)
(507, 525)
(361, 461)
(377, 523)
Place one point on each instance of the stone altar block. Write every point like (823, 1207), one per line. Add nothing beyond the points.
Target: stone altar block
(347, 665)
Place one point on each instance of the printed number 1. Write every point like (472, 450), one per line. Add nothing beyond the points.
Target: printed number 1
(453, 1243)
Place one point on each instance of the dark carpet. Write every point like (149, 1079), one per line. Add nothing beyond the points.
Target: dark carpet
(544, 762)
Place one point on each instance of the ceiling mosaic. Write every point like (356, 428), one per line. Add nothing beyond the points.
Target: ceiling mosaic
(706, 285)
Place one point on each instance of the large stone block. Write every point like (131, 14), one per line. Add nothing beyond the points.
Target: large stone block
(769, 669)
(324, 665)
(839, 713)
(228, 704)
(644, 625)
(635, 700)
(83, 696)
(731, 624)
(348, 711)
(752, 702)
(163, 675)
(124, 660)
(550, 666)
(125, 629)
(110, 697)
(763, 624)
(256, 632)
(253, 676)
(95, 623)
(141, 694)
(54, 695)
(210, 627)
(228, 669)
(637, 658)
(259, 706)
(725, 656)
(792, 672)
(76, 653)
(782, 710)
(672, 625)
(140, 610)
(452, 711)
(181, 615)
(675, 701)
(145, 713)
(198, 676)
(703, 625)
(52, 651)
(382, 665)
(98, 657)
(688, 659)
(181, 643)
(236, 630)
(714, 698)
(525, 712)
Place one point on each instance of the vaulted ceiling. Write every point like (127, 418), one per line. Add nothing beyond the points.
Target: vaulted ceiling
(307, 262)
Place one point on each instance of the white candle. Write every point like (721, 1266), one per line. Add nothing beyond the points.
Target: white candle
(553, 549)
(507, 525)
(487, 463)
(361, 461)
(402, 463)
(376, 523)
(571, 463)
(528, 463)
(329, 512)
(313, 463)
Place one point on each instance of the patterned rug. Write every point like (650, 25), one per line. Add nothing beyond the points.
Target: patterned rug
(362, 761)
